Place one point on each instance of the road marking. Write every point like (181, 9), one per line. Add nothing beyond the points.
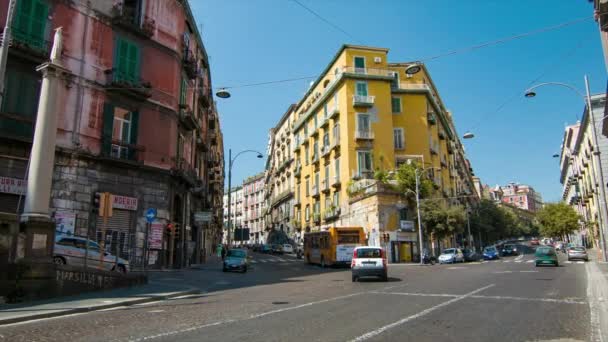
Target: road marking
(156, 311)
(254, 262)
(198, 327)
(507, 260)
(420, 314)
(456, 268)
(519, 257)
(221, 282)
(581, 262)
(530, 261)
(519, 261)
(263, 260)
(548, 300)
(528, 271)
(500, 272)
(567, 262)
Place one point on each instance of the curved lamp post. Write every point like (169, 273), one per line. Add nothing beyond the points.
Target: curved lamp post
(230, 163)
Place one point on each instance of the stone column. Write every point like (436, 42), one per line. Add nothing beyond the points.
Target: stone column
(39, 227)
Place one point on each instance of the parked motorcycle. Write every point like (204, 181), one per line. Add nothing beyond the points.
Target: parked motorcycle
(427, 259)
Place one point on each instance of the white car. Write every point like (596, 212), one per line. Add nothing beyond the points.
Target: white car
(369, 261)
(70, 250)
(451, 255)
(287, 248)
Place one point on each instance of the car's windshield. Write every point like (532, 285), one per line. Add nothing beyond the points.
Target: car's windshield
(489, 249)
(545, 251)
(236, 253)
(578, 249)
(449, 251)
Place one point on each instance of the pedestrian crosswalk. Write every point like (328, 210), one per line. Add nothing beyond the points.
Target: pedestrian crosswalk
(529, 261)
(275, 260)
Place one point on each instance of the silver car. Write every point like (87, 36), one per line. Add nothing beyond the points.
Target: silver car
(70, 250)
(577, 252)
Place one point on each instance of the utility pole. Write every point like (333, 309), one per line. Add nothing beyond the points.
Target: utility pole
(6, 40)
(417, 174)
(229, 195)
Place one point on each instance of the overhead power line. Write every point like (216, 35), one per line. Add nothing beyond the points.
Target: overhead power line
(324, 20)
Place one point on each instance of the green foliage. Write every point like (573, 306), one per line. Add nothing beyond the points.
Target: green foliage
(557, 219)
(405, 176)
(442, 220)
(496, 222)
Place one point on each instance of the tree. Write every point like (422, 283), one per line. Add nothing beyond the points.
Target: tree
(404, 180)
(441, 220)
(557, 220)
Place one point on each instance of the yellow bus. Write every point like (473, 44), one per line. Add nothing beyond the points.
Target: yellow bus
(333, 246)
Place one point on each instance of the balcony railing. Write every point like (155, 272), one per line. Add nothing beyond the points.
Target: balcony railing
(128, 19)
(325, 149)
(325, 121)
(364, 135)
(331, 213)
(187, 118)
(186, 171)
(33, 46)
(414, 86)
(363, 175)
(189, 64)
(315, 157)
(120, 82)
(369, 72)
(431, 119)
(316, 218)
(298, 170)
(315, 191)
(325, 185)
(124, 150)
(335, 181)
(334, 111)
(364, 101)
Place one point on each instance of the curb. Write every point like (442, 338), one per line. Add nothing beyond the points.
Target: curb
(147, 299)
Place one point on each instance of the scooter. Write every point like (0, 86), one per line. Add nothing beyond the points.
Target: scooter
(426, 259)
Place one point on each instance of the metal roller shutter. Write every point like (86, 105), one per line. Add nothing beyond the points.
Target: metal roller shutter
(118, 230)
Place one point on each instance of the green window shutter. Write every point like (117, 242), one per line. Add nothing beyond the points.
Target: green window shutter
(38, 24)
(396, 104)
(182, 92)
(108, 123)
(21, 23)
(134, 133)
(359, 62)
(121, 64)
(134, 62)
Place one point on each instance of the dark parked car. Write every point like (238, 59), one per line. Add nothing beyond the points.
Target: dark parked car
(277, 248)
(266, 248)
(509, 250)
(490, 253)
(470, 255)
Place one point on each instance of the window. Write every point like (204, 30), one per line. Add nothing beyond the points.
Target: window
(325, 112)
(364, 160)
(396, 104)
(307, 187)
(398, 138)
(361, 89)
(315, 149)
(327, 202)
(119, 132)
(326, 139)
(306, 154)
(326, 175)
(363, 123)
(360, 64)
(317, 207)
(126, 61)
(183, 91)
(307, 213)
(317, 179)
(403, 214)
(20, 85)
(337, 169)
(395, 80)
(29, 24)
(315, 122)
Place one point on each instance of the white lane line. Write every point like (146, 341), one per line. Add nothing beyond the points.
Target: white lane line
(420, 314)
(580, 262)
(392, 287)
(530, 261)
(528, 271)
(198, 327)
(456, 268)
(254, 262)
(548, 300)
(519, 257)
(567, 262)
(518, 260)
(263, 260)
(507, 260)
(501, 272)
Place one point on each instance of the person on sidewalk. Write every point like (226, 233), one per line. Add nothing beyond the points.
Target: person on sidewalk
(219, 250)
(224, 252)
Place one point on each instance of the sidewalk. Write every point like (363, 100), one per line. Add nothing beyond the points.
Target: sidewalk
(597, 293)
(91, 301)
(212, 263)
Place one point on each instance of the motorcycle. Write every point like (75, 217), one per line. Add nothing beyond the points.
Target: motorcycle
(427, 259)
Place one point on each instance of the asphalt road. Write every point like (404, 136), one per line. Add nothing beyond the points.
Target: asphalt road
(283, 299)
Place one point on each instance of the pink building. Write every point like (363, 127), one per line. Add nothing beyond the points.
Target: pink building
(136, 119)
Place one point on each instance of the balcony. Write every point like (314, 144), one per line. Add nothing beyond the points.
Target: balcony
(325, 186)
(335, 181)
(363, 101)
(325, 121)
(123, 150)
(315, 158)
(335, 143)
(364, 135)
(187, 119)
(434, 150)
(298, 170)
(315, 132)
(378, 73)
(283, 165)
(315, 191)
(30, 46)
(358, 175)
(120, 83)
(189, 64)
(331, 213)
(204, 97)
(128, 19)
(334, 112)
(316, 218)
(325, 149)
(281, 197)
(431, 119)
(297, 201)
(441, 135)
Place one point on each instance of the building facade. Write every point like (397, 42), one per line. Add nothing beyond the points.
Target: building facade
(364, 115)
(280, 168)
(581, 176)
(254, 205)
(521, 196)
(148, 133)
(236, 210)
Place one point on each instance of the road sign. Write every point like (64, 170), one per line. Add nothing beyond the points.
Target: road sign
(202, 216)
(150, 214)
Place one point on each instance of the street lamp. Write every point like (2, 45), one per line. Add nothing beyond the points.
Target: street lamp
(529, 93)
(222, 93)
(230, 163)
(468, 135)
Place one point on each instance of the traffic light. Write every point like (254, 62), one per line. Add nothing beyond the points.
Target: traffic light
(385, 237)
(169, 228)
(96, 202)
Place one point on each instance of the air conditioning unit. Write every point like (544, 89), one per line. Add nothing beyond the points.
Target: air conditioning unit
(377, 59)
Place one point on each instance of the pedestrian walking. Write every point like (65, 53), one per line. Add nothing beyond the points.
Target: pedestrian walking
(223, 253)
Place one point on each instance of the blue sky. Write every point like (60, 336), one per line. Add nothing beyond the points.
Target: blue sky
(266, 40)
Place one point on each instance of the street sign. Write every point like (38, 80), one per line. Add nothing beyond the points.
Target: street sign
(407, 225)
(150, 215)
(202, 216)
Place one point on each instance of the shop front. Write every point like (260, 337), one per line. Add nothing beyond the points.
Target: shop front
(403, 247)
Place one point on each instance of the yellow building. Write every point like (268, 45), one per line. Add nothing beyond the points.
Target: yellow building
(365, 114)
